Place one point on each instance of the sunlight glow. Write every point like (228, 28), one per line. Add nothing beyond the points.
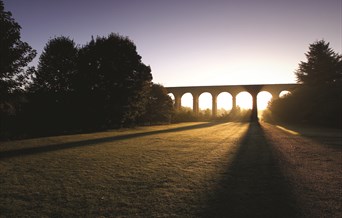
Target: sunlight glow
(284, 93)
(205, 101)
(263, 98)
(287, 130)
(244, 100)
(187, 100)
(224, 101)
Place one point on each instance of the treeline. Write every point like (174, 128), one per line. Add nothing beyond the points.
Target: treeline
(102, 84)
(319, 100)
(186, 114)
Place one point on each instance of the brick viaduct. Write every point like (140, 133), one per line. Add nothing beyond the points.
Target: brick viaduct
(234, 90)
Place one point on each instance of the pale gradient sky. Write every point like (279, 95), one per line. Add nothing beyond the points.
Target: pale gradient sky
(194, 42)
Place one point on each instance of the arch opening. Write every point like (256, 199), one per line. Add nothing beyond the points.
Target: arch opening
(284, 93)
(205, 103)
(187, 101)
(263, 98)
(244, 100)
(224, 103)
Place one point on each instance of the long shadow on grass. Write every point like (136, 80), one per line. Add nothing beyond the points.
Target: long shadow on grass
(253, 185)
(92, 142)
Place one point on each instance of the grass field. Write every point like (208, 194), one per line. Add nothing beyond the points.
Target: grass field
(179, 170)
(151, 171)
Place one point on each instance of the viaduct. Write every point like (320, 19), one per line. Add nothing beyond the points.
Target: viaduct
(234, 90)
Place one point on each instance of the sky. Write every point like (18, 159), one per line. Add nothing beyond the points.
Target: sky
(193, 42)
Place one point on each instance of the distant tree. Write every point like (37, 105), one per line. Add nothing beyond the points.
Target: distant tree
(14, 55)
(114, 79)
(185, 114)
(159, 107)
(323, 66)
(205, 115)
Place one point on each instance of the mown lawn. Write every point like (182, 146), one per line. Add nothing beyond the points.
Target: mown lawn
(180, 170)
(159, 171)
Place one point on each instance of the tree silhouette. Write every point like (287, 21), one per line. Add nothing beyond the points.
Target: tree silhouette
(319, 100)
(323, 66)
(113, 79)
(159, 108)
(14, 73)
(52, 105)
(14, 55)
(57, 66)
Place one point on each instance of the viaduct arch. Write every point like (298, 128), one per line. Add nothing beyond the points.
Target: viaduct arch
(234, 90)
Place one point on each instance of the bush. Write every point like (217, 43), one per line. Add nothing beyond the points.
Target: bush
(185, 114)
(236, 115)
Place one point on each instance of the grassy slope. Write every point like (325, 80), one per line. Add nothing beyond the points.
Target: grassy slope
(312, 162)
(193, 169)
(116, 173)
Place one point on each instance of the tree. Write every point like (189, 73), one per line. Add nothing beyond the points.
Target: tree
(319, 100)
(57, 66)
(323, 66)
(114, 79)
(52, 100)
(14, 55)
(159, 107)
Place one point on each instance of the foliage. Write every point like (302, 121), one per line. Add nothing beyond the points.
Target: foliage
(14, 55)
(114, 79)
(159, 108)
(185, 114)
(14, 73)
(323, 66)
(236, 115)
(205, 115)
(319, 100)
(101, 85)
(51, 105)
(57, 66)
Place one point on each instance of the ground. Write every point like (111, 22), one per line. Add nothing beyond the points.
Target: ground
(180, 170)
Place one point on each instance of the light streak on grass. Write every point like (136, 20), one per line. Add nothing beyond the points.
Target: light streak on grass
(288, 131)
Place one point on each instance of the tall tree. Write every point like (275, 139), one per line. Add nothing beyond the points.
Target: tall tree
(114, 79)
(319, 100)
(14, 54)
(57, 66)
(53, 101)
(323, 66)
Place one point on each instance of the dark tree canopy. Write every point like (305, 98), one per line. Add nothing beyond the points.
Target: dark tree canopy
(159, 106)
(319, 100)
(323, 66)
(100, 85)
(57, 66)
(112, 74)
(14, 54)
